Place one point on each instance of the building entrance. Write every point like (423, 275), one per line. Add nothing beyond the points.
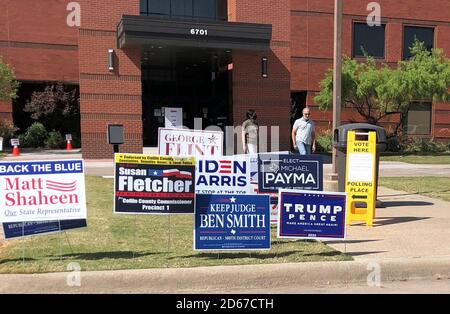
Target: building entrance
(194, 79)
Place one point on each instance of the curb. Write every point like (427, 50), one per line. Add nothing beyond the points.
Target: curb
(210, 279)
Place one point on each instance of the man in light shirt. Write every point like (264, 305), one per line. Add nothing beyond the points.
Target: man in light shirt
(303, 134)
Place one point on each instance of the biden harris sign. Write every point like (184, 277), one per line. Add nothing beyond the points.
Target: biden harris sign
(232, 222)
(42, 191)
(282, 171)
(311, 215)
(223, 175)
(146, 184)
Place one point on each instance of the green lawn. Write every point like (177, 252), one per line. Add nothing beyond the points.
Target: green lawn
(129, 241)
(419, 159)
(436, 187)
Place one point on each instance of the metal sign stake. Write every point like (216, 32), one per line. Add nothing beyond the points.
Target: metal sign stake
(134, 235)
(23, 243)
(60, 241)
(70, 246)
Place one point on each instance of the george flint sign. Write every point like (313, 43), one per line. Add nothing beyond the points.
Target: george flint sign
(311, 215)
(223, 175)
(232, 222)
(181, 142)
(281, 171)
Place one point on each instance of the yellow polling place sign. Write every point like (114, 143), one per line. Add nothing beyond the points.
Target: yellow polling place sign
(360, 183)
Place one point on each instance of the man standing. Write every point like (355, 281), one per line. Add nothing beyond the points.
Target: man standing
(303, 134)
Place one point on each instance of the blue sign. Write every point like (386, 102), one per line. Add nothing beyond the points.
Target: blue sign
(40, 167)
(282, 171)
(23, 229)
(311, 215)
(232, 222)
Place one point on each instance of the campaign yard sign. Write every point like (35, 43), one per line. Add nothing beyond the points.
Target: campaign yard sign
(282, 171)
(223, 175)
(232, 222)
(42, 190)
(150, 184)
(311, 215)
(181, 142)
(14, 230)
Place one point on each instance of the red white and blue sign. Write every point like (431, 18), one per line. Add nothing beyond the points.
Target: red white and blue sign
(223, 175)
(42, 190)
(282, 171)
(12, 230)
(232, 222)
(311, 215)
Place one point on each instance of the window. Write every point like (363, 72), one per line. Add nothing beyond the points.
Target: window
(205, 8)
(368, 40)
(210, 9)
(181, 8)
(411, 33)
(419, 119)
(158, 7)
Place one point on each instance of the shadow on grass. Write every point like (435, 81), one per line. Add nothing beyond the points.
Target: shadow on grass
(327, 254)
(105, 255)
(349, 241)
(240, 255)
(27, 259)
(384, 221)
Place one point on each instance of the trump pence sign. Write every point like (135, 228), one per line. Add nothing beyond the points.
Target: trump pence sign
(42, 190)
(311, 215)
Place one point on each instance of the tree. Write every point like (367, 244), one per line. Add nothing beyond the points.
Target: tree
(56, 108)
(8, 83)
(377, 92)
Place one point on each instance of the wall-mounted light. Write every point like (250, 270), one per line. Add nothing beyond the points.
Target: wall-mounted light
(111, 59)
(264, 73)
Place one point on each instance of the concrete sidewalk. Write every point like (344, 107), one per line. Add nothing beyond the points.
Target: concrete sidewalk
(409, 226)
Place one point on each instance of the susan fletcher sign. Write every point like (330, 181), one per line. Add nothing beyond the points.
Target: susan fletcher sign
(42, 190)
(223, 175)
(311, 215)
(281, 171)
(181, 142)
(232, 222)
(146, 184)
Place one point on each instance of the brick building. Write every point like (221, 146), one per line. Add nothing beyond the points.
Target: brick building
(205, 56)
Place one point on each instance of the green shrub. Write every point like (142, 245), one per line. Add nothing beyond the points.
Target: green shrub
(35, 136)
(424, 146)
(396, 144)
(324, 141)
(7, 131)
(54, 140)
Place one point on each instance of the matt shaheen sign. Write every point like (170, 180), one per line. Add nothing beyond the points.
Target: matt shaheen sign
(147, 184)
(42, 190)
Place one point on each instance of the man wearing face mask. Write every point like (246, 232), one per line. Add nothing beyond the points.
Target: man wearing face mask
(303, 134)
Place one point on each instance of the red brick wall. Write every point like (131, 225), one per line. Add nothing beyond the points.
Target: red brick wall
(36, 40)
(270, 97)
(108, 97)
(312, 45)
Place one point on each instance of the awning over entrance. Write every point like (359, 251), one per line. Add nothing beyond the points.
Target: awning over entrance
(149, 30)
